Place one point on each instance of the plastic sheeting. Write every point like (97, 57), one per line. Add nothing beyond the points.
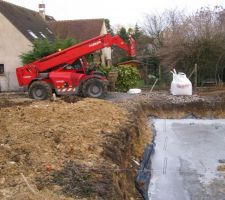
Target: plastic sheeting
(144, 173)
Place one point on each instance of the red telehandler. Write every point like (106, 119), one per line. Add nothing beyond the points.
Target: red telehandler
(66, 72)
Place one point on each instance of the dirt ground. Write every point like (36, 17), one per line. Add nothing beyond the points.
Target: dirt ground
(60, 149)
(40, 140)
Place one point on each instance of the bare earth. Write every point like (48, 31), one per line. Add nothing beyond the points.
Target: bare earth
(44, 137)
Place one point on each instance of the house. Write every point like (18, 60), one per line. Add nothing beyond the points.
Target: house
(19, 28)
(82, 30)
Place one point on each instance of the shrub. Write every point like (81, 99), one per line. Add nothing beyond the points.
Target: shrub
(105, 70)
(128, 77)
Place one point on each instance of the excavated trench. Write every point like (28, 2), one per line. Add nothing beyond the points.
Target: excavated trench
(139, 141)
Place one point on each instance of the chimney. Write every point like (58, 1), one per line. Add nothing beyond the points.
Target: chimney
(42, 10)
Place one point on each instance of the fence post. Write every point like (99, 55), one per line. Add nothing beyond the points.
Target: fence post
(196, 75)
(159, 72)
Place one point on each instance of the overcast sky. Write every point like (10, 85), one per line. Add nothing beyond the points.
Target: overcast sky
(124, 12)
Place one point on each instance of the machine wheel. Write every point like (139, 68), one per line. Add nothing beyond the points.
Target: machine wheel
(40, 90)
(94, 88)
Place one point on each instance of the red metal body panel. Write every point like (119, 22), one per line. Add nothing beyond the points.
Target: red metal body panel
(65, 79)
(59, 77)
(25, 75)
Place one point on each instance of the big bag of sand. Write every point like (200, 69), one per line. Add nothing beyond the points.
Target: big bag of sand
(180, 85)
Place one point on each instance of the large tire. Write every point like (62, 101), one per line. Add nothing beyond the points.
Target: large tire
(40, 90)
(94, 88)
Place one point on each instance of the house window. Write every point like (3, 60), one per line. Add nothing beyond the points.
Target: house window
(2, 69)
(42, 35)
(32, 34)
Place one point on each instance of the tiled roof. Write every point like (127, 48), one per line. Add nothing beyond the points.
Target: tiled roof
(28, 22)
(78, 29)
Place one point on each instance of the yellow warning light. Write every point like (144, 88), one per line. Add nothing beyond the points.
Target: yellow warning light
(59, 49)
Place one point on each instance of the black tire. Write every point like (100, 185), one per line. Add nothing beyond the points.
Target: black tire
(94, 88)
(40, 90)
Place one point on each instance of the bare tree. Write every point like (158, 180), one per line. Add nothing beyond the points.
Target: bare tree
(181, 41)
(198, 38)
(157, 26)
(154, 26)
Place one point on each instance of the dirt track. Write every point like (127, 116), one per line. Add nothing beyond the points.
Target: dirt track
(84, 150)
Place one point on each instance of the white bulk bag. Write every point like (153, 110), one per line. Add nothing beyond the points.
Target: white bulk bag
(180, 85)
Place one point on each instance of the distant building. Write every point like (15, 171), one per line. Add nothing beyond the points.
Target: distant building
(132, 63)
(19, 27)
(82, 30)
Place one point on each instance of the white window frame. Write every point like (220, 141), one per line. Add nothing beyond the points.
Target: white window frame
(42, 34)
(49, 30)
(32, 34)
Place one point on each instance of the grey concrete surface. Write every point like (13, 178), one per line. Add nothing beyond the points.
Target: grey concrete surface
(186, 159)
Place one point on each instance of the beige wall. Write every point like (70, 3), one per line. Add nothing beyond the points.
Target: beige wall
(12, 44)
(106, 52)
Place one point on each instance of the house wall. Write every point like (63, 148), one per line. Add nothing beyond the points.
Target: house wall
(12, 44)
(106, 52)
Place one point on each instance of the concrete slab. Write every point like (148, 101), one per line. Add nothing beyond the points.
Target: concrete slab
(186, 159)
